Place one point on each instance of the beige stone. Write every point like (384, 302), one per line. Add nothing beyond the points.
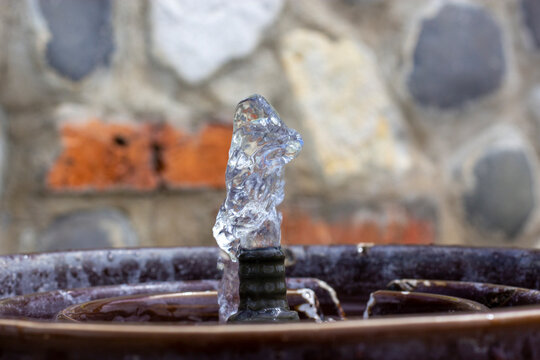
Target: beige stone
(346, 110)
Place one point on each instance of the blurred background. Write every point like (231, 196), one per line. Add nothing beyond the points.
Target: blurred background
(421, 119)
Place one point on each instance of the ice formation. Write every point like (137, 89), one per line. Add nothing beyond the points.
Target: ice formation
(260, 148)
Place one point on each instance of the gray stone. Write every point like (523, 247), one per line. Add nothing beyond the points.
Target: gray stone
(531, 14)
(195, 38)
(504, 196)
(458, 57)
(81, 35)
(534, 103)
(88, 229)
(501, 188)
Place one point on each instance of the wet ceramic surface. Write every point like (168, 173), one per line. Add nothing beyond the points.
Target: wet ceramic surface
(499, 333)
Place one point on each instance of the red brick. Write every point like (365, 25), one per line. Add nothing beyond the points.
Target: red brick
(300, 227)
(195, 161)
(100, 156)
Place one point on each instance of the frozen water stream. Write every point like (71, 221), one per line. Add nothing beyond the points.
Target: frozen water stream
(261, 146)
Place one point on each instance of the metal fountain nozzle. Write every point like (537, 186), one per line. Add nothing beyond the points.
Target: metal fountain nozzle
(262, 287)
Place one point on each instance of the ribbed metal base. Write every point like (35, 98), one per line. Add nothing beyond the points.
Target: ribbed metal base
(263, 292)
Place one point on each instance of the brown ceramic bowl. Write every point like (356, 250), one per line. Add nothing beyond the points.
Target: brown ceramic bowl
(502, 333)
(190, 307)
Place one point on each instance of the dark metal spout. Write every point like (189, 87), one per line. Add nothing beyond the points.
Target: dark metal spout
(262, 287)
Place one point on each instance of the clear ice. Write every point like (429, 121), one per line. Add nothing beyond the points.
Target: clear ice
(261, 146)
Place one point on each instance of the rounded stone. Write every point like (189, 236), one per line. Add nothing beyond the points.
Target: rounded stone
(367, 136)
(81, 35)
(502, 198)
(195, 38)
(88, 229)
(534, 103)
(531, 15)
(458, 57)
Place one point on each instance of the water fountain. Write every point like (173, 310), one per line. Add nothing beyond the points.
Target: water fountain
(364, 301)
(248, 225)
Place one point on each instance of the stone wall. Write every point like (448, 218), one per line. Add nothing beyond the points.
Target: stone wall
(421, 118)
